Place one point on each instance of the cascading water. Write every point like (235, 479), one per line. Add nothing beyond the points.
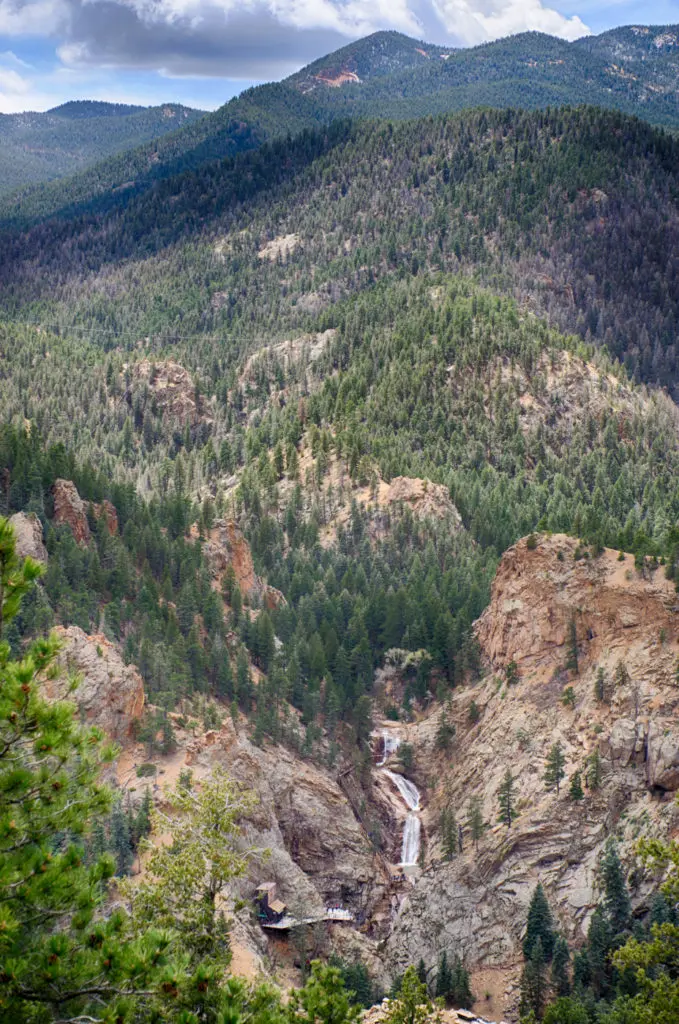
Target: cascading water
(410, 849)
(391, 744)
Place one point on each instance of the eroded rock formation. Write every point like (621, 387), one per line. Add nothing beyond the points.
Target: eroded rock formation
(28, 533)
(110, 693)
(626, 627)
(172, 390)
(226, 546)
(69, 508)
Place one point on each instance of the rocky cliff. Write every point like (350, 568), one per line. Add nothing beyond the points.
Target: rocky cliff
(71, 510)
(28, 533)
(110, 693)
(548, 602)
(226, 546)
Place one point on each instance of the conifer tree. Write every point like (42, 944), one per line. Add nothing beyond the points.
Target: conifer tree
(575, 791)
(594, 771)
(555, 768)
(61, 956)
(444, 978)
(534, 986)
(539, 925)
(572, 647)
(617, 902)
(475, 822)
(560, 963)
(505, 795)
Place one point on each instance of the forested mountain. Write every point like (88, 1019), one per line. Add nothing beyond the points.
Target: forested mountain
(41, 147)
(388, 75)
(275, 418)
(574, 211)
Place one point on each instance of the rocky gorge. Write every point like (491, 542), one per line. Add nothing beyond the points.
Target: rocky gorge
(327, 835)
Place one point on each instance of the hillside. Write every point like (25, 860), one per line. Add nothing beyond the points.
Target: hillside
(351, 461)
(388, 75)
(67, 139)
(573, 212)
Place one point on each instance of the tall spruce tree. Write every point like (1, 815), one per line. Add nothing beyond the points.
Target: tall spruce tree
(505, 796)
(534, 984)
(560, 963)
(539, 925)
(617, 902)
(555, 768)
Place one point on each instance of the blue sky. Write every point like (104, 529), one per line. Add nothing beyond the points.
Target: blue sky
(202, 52)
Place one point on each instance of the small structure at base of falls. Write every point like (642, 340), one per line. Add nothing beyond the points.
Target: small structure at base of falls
(273, 913)
(269, 909)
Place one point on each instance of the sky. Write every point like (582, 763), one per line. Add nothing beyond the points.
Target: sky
(203, 52)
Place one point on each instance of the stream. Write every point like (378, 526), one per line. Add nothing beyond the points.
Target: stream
(410, 794)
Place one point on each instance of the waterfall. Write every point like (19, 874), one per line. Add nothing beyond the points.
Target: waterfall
(410, 794)
(391, 744)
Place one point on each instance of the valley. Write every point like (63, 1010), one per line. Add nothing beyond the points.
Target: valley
(339, 548)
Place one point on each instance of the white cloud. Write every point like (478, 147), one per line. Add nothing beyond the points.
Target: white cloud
(32, 18)
(11, 82)
(481, 20)
(249, 40)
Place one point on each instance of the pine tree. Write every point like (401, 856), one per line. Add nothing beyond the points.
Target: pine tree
(600, 686)
(555, 768)
(534, 987)
(67, 957)
(461, 994)
(422, 971)
(560, 963)
(444, 979)
(475, 822)
(448, 833)
(617, 902)
(539, 925)
(121, 843)
(575, 791)
(594, 771)
(445, 732)
(505, 796)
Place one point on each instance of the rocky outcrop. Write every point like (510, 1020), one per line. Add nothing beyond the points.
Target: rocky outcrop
(71, 510)
(626, 627)
(226, 546)
(28, 534)
(424, 499)
(110, 693)
(538, 593)
(172, 391)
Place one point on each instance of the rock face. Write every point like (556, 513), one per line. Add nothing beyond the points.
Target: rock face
(319, 851)
(69, 508)
(172, 390)
(28, 533)
(626, 625)
(226, 546)
(111, 693)
(422, 497)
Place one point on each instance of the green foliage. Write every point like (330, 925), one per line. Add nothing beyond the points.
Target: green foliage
(539, 925)
(575, 790)
(185, 880)
(475, 820)
(534, 983)
(555, 770)
(323, 1000)
(505, 797)
(49, 798)
(412, 1005)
